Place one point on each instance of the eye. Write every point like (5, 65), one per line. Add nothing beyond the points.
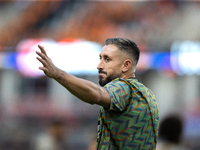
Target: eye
(107, 59)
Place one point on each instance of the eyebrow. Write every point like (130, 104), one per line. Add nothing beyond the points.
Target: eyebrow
(104, 55)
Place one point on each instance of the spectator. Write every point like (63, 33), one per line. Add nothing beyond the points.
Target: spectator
(53, 139)
(170, 133)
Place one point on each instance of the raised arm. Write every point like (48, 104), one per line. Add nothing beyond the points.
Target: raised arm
(85, 90)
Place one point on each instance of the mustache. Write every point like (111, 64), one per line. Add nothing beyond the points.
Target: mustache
(101, 71)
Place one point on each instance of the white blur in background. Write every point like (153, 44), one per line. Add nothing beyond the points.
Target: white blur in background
(73, 33)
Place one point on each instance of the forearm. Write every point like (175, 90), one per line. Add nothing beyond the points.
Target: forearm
(85, 90)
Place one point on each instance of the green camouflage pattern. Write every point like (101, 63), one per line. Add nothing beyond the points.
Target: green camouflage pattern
(132, 121)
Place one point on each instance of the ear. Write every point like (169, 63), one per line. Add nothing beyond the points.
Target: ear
(127, 64)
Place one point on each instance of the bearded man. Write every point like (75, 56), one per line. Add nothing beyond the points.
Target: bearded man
(129, 116)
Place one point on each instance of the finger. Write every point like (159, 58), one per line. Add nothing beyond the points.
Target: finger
(42, 61)
(43, 69)
(42, 49)
(42, 55)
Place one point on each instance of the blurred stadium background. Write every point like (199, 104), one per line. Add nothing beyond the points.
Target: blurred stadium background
(73, 32)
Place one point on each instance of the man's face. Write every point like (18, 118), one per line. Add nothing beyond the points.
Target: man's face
(110, 65)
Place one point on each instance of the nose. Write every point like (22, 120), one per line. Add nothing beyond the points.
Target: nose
(100, 65)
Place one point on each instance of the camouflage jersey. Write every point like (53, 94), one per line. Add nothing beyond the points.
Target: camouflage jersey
(131, 122)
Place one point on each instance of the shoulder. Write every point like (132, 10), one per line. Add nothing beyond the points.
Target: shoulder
(118, 82)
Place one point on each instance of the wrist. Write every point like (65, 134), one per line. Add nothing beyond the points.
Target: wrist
(59, 75)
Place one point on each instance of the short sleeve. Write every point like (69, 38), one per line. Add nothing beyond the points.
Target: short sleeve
(120, 93)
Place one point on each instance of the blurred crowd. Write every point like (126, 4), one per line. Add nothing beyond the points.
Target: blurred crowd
(153, 25)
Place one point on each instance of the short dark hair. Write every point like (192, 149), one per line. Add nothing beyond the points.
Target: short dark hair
(171, 129)
(53, 122)
(125, 45)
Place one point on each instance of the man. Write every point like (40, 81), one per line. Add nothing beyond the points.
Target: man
(170, 134)
(129, 116)
(53, 138)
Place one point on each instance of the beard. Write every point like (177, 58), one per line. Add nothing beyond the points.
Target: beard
(107, 79)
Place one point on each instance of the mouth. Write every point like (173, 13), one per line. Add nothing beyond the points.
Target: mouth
(102, 72)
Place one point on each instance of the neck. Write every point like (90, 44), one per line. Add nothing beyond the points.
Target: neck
(128, 75)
